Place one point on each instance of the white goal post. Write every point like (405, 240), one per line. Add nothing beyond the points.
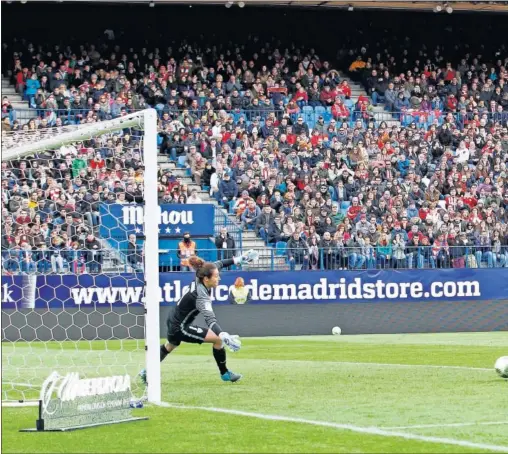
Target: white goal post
(23, 145)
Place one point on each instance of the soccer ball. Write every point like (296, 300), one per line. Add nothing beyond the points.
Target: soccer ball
(501, 366)
(336, 331)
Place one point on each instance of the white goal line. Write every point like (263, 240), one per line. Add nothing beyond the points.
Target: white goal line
(454, 424)
(354, 363)
(365, 430)
(23, 385)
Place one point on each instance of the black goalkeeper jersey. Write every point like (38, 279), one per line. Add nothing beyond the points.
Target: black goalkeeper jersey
(196, 300)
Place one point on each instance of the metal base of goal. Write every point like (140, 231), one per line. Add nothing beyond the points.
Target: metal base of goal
(21, 403)
(84, 412)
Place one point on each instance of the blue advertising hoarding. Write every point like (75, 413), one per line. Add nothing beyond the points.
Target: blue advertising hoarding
(119, 221)
(285, 287)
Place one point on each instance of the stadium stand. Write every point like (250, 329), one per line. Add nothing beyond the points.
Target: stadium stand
(383, 163)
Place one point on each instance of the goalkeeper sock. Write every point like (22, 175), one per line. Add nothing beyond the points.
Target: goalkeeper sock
(164, 352)
(220, 359)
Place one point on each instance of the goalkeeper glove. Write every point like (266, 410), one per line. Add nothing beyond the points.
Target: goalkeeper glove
(232, 342)
(247, 257)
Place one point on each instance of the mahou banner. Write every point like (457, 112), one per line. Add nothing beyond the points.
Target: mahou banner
(119, 221)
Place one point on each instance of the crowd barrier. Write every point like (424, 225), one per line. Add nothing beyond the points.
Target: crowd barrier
(276, 258)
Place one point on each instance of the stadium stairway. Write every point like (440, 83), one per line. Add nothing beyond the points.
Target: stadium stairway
(16, 99)
(267, 258)
(379, 111)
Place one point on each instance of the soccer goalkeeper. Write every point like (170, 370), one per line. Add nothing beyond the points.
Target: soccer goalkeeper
(198, 300)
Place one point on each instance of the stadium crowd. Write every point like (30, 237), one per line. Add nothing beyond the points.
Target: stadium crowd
(278, 138)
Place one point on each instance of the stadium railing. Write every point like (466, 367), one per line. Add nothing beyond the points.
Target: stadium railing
(309, 113)
(67, 260)
(275, 257)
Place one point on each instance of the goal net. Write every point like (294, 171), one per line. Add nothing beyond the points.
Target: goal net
(80, 288)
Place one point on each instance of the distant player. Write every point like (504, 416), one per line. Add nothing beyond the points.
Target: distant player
(198, 300)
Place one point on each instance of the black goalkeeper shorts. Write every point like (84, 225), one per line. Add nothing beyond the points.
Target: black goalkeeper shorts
(191, 334)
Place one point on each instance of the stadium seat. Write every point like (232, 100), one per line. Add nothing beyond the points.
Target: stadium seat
(327, 116)
(280, 248)
(319, 110)
(181, 161)
(308, 114)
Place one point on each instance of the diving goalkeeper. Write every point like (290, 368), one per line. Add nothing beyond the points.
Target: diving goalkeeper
(198, 300)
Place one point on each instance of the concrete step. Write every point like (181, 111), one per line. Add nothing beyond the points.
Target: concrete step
(9, 91)
(177, 172)
(253, 244)
(163, 164)
(252, 239)
(267, 266)
(14, 98)
(18, 102)
(22, 105)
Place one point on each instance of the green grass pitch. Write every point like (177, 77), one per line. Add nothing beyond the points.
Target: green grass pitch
(372, 393)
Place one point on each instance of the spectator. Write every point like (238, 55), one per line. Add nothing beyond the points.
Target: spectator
(77, 257)
(329, 251)
(275, 231)
(225, 244)
(57, 262)
(440, 252)
(228, 190)
(194, 198)
(354, 251)
(298, 252)
(240, 294)
(186, 249)
(134, 255)
(95, 254)
(398, 251)
(264, 221)
(250, 215)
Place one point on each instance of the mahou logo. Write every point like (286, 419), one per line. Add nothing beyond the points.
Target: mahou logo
(133, 215)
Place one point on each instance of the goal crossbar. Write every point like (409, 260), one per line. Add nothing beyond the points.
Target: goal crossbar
(82, 132)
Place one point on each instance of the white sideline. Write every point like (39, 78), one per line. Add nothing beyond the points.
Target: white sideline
(366, 430)
(455, 424)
